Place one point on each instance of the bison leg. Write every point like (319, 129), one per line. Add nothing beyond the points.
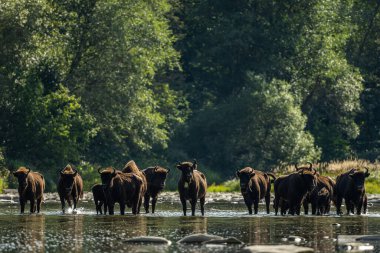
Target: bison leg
(75, 200)
(256, 205)
(111, 209)
(365, 204)
(39, 205)
(306, 206)
(122, 208)
(338, 204)
(348, 206)
(275, 205)
(146, 203)
(314, 208)
(105, 207)
(22, 205)
(248, 203)
(32, 205)
(202, 203)
(62, 204)
(267, 202)
(183, 202)
(154, 201)
(359, 207)
(193, 202)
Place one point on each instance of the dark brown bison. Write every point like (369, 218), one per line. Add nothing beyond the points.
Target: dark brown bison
(290, 190)
(131, 167)
(255, 185)
(155, 177)
(31, 186)
(99, 198)
(350, 186)
(319, 198)
(122, 188)
(192, 186)
(70, 186)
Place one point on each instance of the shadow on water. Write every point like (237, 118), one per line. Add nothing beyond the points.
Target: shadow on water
(87, 232)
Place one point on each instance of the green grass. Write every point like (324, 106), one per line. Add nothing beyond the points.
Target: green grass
(227, 186)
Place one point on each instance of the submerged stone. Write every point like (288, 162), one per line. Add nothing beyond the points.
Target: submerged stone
(355, 246)
(294, 238)
(149, 240)
(276, 249)
(230, 240)
(199, 238)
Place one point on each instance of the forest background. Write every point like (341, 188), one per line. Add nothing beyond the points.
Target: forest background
(260, 83)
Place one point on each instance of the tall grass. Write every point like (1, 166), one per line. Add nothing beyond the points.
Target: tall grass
(332, 169)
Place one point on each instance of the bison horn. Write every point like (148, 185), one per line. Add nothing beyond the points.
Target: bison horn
(28, 170)
(311, 165)
(296, 165)
(114, 171)
(155, 168)
(238, 173)
(167, 171)
(366, 172)
(315, 171)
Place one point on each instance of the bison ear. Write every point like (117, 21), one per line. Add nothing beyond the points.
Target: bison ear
(252, 174)
(352, 172)
(155, 168)
(195, 165)
(178, 165)
(15, 173)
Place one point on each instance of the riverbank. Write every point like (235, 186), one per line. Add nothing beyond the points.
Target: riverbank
(11, 196)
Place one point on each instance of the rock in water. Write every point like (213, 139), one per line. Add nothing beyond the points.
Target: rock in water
(276, 249)
(199, 238)
(230, 240)
(149, 240)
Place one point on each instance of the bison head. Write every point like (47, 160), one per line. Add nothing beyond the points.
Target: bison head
(22, 175)
(106, 176)
(187, 169)
(67, 178)
(309, 178)
(159, 177)
(244, 176)
(358, 178)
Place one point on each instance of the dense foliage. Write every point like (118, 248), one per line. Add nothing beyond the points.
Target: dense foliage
(249, 83)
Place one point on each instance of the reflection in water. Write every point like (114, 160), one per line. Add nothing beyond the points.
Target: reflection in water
(87, 232)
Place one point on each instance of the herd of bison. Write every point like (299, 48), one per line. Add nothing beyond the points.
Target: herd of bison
(130, 185)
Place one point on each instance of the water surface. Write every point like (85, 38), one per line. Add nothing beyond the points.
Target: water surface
(85, 231)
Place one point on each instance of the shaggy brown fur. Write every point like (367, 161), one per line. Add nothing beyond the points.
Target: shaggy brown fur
(255, 185)
(290, 190)
(156, 177)
(99, 198)
(350, 186)
(122, 188)
(131, 167)
(192, 186)
(70, 186)
(31, 186)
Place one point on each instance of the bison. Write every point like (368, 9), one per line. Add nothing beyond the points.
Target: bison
(70, 186)
(31, 186)
(254, 185)
(319, 198)
(290, 190)
(99, 198)
(350, 186)
(131, 167)
(192, 186)
(155, 177)
(122, 188)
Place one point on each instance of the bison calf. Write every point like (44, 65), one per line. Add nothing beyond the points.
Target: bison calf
(255, 185)
(31, 186)
(350, 187)
(192, 186)
(99, 198)
(155, 177)
(70, 186)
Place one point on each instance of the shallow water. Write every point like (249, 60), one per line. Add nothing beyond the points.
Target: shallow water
(85, 231)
